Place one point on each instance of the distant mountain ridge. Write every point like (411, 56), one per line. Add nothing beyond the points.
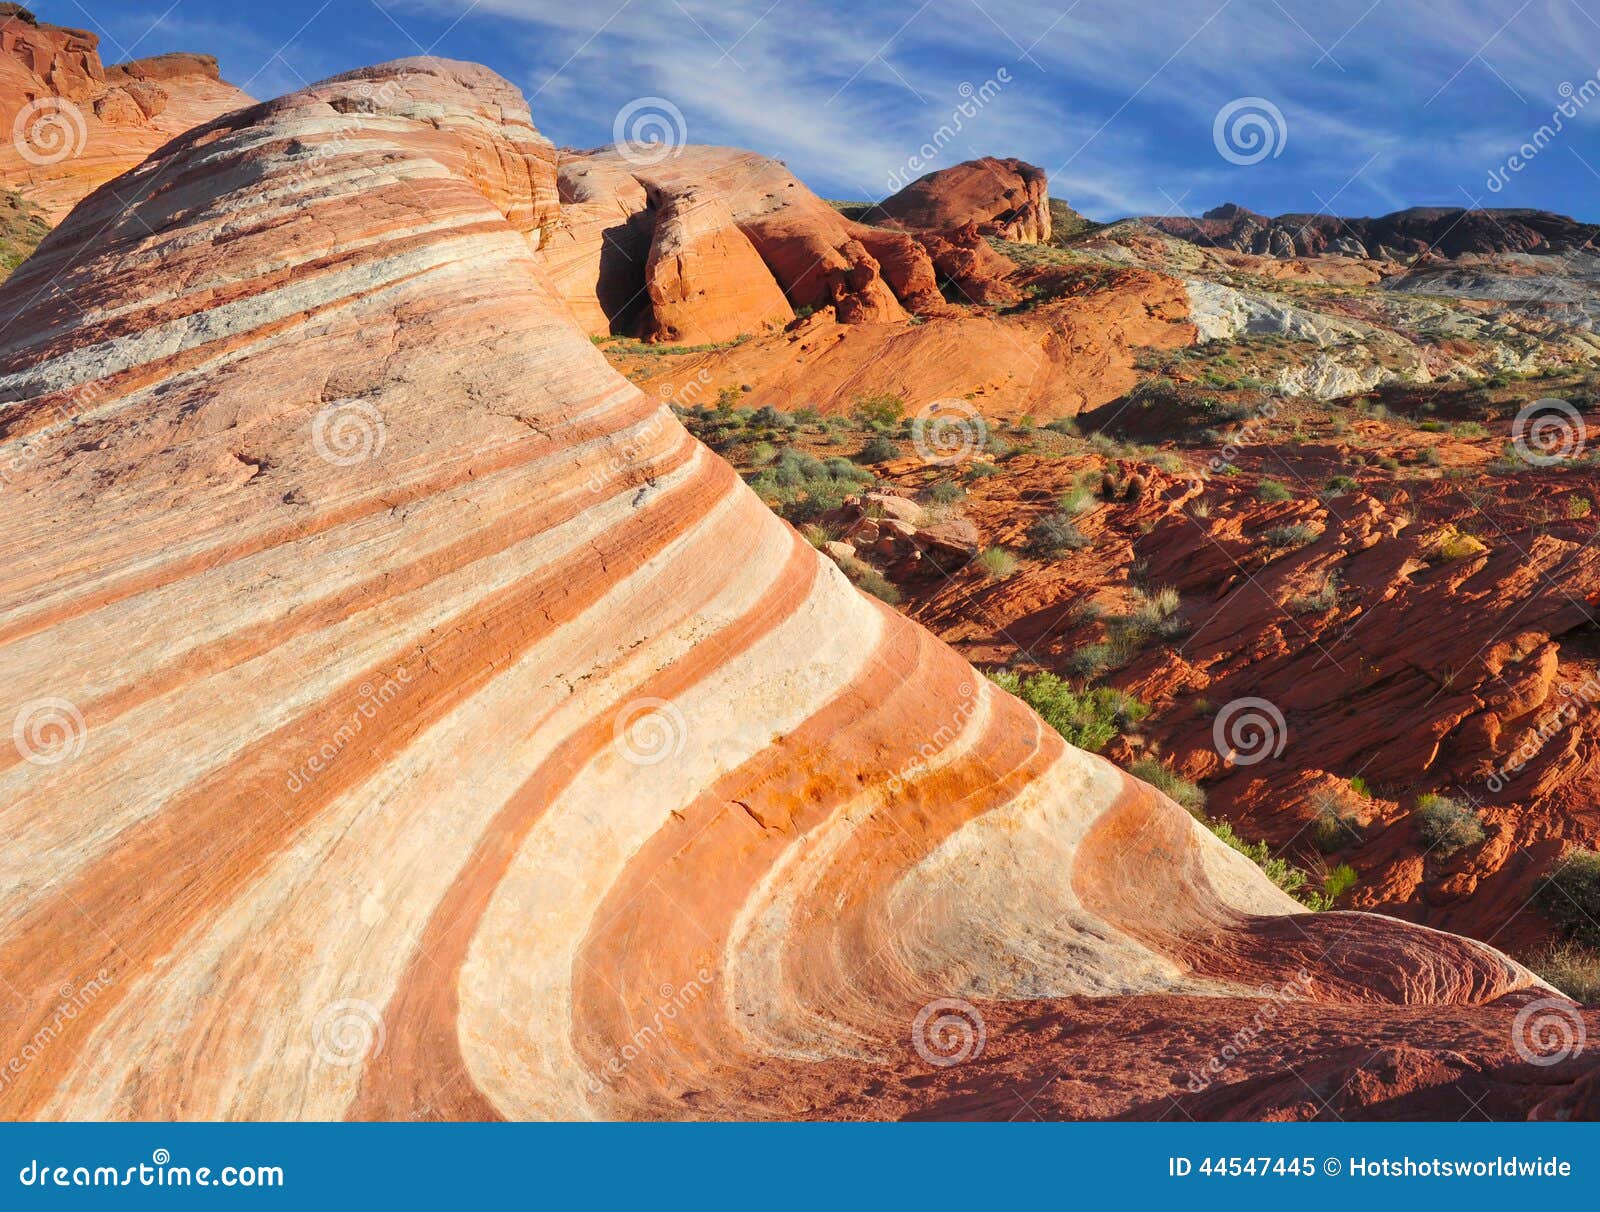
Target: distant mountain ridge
(1438, 230)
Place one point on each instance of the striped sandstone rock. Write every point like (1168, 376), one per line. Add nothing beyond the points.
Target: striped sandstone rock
(409, 719)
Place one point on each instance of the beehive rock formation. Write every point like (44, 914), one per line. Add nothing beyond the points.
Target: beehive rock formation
(410, 720)
(1006, 198)
(68, 124)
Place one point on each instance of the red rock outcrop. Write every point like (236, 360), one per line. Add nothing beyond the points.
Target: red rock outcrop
(704, 279)
(1006, 198)
(430, 728)
(71, 125)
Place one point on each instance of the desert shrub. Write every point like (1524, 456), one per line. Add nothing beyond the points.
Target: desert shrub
(1468, 429)
(1571, 967)
(1054, 533)
(1177, 788)
(981, 471)
(1334, 823)
(1455, 545)
(879, 450)
(1322, 598)
(1342, 484)
(1359, 786)
(1065, 426)
(1578, 507)
(801, 487)
(1166, 460)
(1273, 490)
(880, 411)
(1089, 719)
(1447, 825)
(1295, 534)
(1296, 881)
(1090, 661)
(1338, 881)
(1570, 896)
(996, 563)
(1155, 616)
(946, 492)
(865, 577)
(1431, 456)
(1075, 501)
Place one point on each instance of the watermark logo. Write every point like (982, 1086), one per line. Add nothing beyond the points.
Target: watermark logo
(1249, 730)
(648, 130)
(1572, 101)
(946, 432)
(973, 100)
(49, 130)
(347, 1032)
(674, 1000)
(1548, 432)
(948, 1031)
(48, 732)
(1548, 1031)
(1249, 129)
(648, 732)
(348, 432)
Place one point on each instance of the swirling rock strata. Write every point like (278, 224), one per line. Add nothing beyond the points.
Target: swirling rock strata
(411, 720)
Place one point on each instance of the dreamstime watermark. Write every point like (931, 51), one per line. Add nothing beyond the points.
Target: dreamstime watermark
(674, 1000)
(1578, 699)
(948, 1031)
(1547, 432)
(1574, 99)
(348, 432)
(941, 738)
(1242, 1040)
(971, 104)
(49, 731)
(947, 432)
(348, 1032)
(1249, 129)
(649, 731)
(1249, 730)
(373, 699)
(648, 130)
(1247, 434)
(31, 448)
(624, 457)
(74, 999)
(157, 1172)
(1548, 1031)
(48, 130)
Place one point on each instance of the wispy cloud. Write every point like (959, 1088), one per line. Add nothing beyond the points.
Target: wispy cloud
(1418, 99)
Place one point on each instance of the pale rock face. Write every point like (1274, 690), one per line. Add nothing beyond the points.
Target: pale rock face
(431, 728)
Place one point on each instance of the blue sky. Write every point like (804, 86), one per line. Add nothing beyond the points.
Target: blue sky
(1383, 103)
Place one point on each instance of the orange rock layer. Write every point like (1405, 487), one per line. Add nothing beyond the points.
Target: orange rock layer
(68, 125)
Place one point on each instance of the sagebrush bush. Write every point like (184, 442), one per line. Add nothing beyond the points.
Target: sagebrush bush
(1571, 967)
(1447, 825)
(1272, 490)
(1570, 896)
(1295, 534)
(1054, 533)
(1089, 719)
(879, 450)
(1177, 788)
(865, 577)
